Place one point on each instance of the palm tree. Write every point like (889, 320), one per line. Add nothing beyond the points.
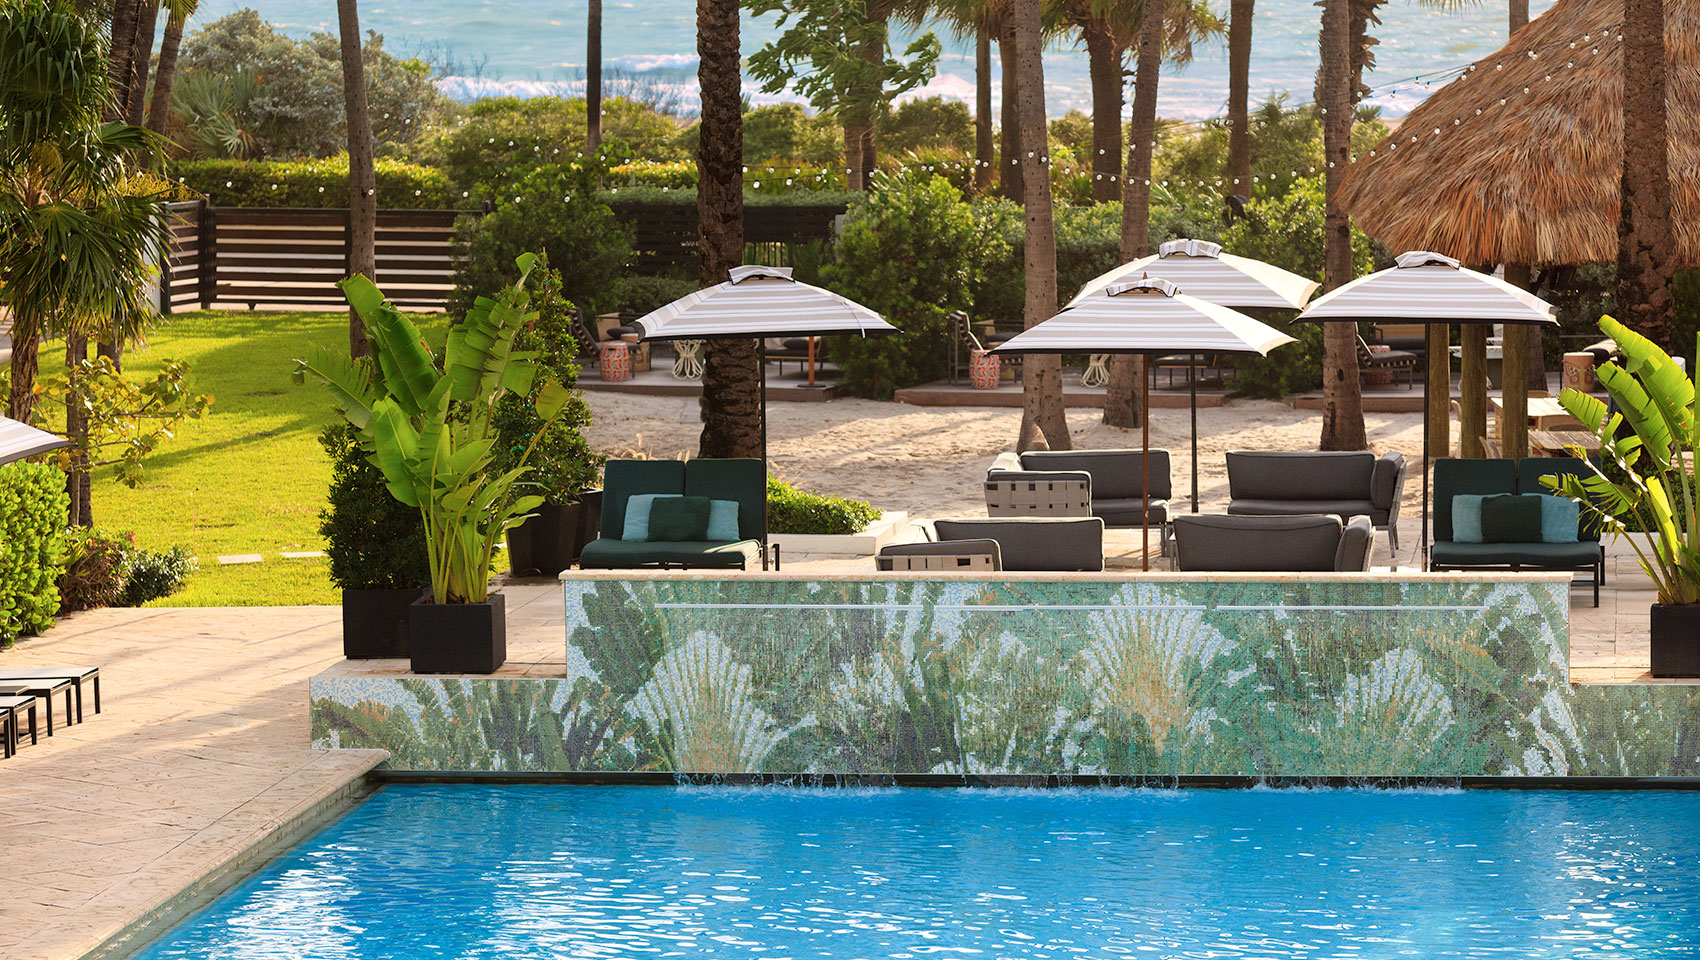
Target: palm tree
(1519, 15)
(1011, 181)
(125, 14)
(731, 398)
(1240, 13)
(983, 20)
(165, 78)
(1041, 387)
(362, 178)
(593, 76)
(1646, 249)
(141, 59)
(1342, 391)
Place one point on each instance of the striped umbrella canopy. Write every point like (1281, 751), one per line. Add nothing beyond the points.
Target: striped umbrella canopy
(760, 302)
(20, 440)
(1202, 270)
(1432, 288)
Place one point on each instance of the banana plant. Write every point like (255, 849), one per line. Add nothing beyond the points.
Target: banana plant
(428, 426)
(1650, 488)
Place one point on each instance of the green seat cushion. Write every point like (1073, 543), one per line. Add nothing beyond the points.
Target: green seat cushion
(638, 510)
(1509, 518)
(608, 554)
(685, 519)
(1449, 553)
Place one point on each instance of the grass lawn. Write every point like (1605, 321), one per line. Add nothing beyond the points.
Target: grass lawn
(250, 476)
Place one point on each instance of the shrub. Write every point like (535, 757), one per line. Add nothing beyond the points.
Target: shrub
(315, 183)
(641, 295)
(790, 510)
(33, 508)
(925, 123)
(554, 211)
(373, 540)
(503, 139)
(154, 574)
(97, 569)
(913, 252)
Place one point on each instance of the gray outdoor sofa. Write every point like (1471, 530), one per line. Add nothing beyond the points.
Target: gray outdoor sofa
(1297, 483)
(1207, 542)
(1054, 544)
(1111, 479)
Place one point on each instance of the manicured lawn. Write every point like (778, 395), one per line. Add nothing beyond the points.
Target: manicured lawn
(249, 477)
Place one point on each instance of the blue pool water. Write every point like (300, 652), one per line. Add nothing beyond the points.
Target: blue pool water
(540, 871)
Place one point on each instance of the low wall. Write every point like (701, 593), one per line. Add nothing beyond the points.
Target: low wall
(1301, 676)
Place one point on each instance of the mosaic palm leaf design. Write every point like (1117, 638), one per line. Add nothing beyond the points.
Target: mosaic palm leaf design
(1303, 678)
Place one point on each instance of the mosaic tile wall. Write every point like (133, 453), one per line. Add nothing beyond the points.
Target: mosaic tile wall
(1291, 679)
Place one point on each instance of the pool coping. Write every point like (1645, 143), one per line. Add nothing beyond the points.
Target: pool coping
(171, 909)
(1027, 781)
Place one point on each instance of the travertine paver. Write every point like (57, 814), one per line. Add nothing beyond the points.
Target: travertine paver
(200, 751)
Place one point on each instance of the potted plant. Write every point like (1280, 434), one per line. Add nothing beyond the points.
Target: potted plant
(431, 431)
(563, 468)
(376, 547)
(1643, 487)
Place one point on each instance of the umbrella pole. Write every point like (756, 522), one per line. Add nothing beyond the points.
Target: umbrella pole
(1145, 466)
(761, 364)
(1192, 385)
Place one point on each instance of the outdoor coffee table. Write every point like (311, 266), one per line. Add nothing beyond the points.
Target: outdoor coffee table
(77, 675)
(12, 708)
(45, 689)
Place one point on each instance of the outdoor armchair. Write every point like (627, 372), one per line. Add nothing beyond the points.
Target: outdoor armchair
(1487, 477)
(947, 556)
(1269, 483)
(1272, 544)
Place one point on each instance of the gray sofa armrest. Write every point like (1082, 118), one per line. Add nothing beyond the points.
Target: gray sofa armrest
(1388, 480)
(1006, 462)
(1354, 550)
(953, 554)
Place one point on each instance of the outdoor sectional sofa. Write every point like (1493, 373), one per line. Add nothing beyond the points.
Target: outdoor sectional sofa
(743, 481)
(1284, 484)
(1056, 544)
(1322, 544)
(1453, 477)
(1115, 477)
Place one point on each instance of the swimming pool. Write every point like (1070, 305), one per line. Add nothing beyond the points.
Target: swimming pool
(531, 871)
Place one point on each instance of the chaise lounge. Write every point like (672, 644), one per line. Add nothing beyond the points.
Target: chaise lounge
(625, 543)
(1266, 483)
(1205, 542)
(1456, 549)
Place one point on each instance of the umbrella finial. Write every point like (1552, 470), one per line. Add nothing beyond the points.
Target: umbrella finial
(1143, 285)
(1425, 258)
(1190, 248)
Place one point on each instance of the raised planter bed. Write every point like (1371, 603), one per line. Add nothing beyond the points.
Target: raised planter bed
(864, 544)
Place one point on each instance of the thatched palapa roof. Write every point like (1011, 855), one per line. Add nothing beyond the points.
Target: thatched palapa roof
(1533, 177)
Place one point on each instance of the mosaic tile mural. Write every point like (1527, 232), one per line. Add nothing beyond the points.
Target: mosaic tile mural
(1291, 679)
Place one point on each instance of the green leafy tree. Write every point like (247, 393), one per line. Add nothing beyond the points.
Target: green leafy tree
(928, 123)
(503, 139)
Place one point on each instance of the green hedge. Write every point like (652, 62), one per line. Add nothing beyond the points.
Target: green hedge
(315, 183)
(33, 509)
(790, 510)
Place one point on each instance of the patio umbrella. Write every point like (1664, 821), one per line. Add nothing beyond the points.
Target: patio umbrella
(760, 302)
(20, 440)
(1429, 287)
(1200, 268)
(1148, 317)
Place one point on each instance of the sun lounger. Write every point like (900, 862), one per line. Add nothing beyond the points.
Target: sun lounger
(11, 708)
(46, 689)
(77, 675)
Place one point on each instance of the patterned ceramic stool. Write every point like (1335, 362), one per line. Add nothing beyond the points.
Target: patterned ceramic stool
(616, 361)
(984, 370)
(1579, 371)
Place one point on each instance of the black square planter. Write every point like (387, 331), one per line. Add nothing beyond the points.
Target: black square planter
(1675, 638)
(374, 623)
(546, 543)
(458, 637)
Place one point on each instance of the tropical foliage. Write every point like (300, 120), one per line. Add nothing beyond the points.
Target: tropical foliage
(790, 510)
(32, 547)
(1646, 479)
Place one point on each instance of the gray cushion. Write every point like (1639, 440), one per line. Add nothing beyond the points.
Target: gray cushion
(1385, 479)
(1448, 553)
(1299, 508)
(1037, 544)
(1262, 544)
(1310, 475)
(948, 548)
(1116, 474)
(608, 554)
(1125, 512)
(1352, 556)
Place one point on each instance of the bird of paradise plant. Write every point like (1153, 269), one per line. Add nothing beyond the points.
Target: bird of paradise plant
(429, 428)
(1651, 487)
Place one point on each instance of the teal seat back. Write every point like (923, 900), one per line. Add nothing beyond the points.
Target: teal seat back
(1454, 477)
(1532, 469)
(742, 480)
(624, 479)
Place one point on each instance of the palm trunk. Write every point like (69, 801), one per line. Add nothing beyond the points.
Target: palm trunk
(1041, 387)
(159, 111)
(731, 392)
(77, 430)
(362, 179)
(1239, 95)
(873, 52)
(985, 148)
(1519, 15)
(857, 171)
(1104, 65)
(141, 55)
(593, 76)
(1010, 177)
(1342, 393)
(1646, 254)
(26, 345)
(124, 17)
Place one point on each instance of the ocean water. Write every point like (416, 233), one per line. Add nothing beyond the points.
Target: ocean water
(533, 872)
(533, 46)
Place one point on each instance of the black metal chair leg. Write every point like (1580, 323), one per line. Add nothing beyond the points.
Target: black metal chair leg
(68, 714)
(79, 688)
(97, 694)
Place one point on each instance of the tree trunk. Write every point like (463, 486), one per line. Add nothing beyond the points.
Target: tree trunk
(857, 173)
(593, 76)
(1104, 65)
(1438, 387)
(1041, 387)
(1472, 389)
(731, 393)
(1010, 177)
(1239, 96)
(26, 344)
(1519, 17)
(985, 149)
(124, 16)
(159, 111)
(141, 55)
(1342, 392)
(1646, 250)
(77, 430)
(362, 179)
(873, 53)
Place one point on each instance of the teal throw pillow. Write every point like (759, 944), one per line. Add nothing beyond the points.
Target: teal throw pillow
(637, 514)
(679, 520)
(723, 520)
(1467, 518)
(1509, 518)
(1560, 519)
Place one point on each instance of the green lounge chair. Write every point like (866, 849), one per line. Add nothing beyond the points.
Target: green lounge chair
(1453, 477)
(744, 481)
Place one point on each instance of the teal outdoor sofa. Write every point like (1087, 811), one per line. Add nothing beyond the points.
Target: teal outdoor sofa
(1453, 477)
(744, 481)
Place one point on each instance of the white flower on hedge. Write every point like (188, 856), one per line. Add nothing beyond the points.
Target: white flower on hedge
(702, 700)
